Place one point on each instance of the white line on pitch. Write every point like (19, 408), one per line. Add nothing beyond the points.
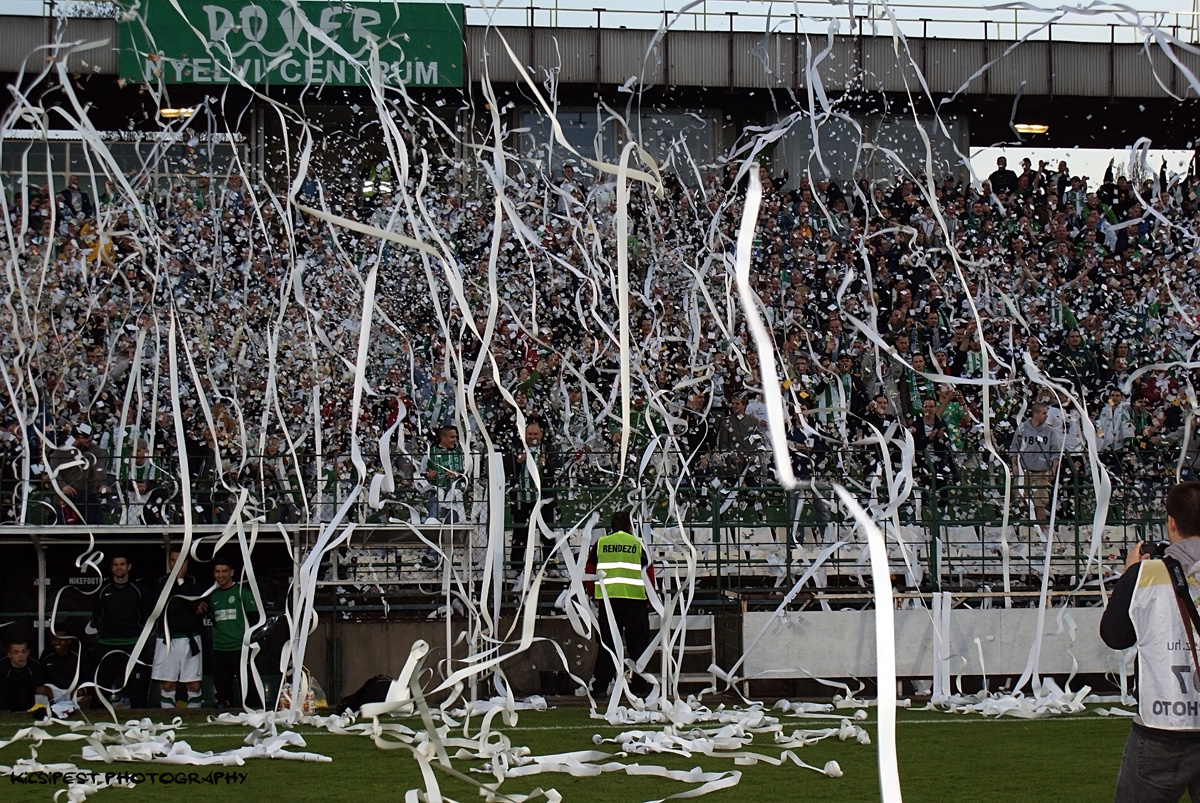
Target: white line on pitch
(185, 733)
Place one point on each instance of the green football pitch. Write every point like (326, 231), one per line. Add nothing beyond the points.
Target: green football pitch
(943, 757)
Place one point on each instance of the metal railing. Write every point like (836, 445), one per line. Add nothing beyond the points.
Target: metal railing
(953, 20)
(730, 526)
(961, 535)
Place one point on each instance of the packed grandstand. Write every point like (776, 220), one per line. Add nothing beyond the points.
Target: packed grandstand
(982, 296)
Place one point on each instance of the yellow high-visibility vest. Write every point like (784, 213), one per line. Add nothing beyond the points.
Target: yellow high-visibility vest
(619, 560)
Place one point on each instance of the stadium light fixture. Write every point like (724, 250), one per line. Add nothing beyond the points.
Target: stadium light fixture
(172, 114)
(1031, 128)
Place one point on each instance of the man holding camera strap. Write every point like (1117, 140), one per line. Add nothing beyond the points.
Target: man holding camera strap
(1153, 606)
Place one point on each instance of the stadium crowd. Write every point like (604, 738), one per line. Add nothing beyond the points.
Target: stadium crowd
(929, 305)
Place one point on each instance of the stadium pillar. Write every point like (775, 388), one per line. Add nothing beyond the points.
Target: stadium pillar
(258, 142)
(43, 583)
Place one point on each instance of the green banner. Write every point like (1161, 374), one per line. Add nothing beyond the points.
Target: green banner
(292, 43)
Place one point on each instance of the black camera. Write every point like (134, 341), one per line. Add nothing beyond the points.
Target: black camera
(1155, 549)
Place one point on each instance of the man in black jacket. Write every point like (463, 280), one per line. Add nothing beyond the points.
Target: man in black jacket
(122, 607)
(80, 476)
(698, 442)
(1002, 179)
(934, 458)
(177, 650)
(524, 494)
(22, 680)
(1162, 754)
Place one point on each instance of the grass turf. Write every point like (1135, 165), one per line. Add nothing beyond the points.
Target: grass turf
(942, 758)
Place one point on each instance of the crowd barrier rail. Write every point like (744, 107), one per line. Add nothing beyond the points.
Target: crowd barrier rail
(962, 523)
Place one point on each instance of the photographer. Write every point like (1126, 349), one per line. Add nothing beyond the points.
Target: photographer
(1162, 755)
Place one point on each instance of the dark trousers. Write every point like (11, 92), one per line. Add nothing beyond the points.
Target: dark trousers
(1158, 770)
(631, 618)
(821, 514)
(228, 670)
(520, 537)
(17, 694)
(941, 474)
(87, 503)
(110, 675)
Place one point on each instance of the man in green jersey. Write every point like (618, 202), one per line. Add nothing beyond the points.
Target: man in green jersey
(229, 605)
(444, 471)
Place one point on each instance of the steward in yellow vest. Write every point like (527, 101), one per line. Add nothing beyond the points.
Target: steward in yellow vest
(618, 560)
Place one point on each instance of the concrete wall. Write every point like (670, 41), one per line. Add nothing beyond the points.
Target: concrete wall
(842, 643)
(801, 644)
(741, 60)
(342, 655)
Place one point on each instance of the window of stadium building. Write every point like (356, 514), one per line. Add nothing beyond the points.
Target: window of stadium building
(681, 142)
(836, 149)
(148, 158)
(905, 137)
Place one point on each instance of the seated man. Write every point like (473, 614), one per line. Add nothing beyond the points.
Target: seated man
(22, 680)
(65, 670)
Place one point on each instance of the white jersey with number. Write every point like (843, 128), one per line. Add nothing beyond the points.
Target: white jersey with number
(1168, 689)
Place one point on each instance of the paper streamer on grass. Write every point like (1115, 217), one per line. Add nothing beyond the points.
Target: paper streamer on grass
(885, 650)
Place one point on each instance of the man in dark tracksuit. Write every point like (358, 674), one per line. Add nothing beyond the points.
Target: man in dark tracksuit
(525, 494)
(66, 668)
(619, 559)
(122, 607)
(177, 650)
(22, 679)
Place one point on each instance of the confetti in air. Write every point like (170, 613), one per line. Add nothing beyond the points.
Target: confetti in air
(312, 241)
